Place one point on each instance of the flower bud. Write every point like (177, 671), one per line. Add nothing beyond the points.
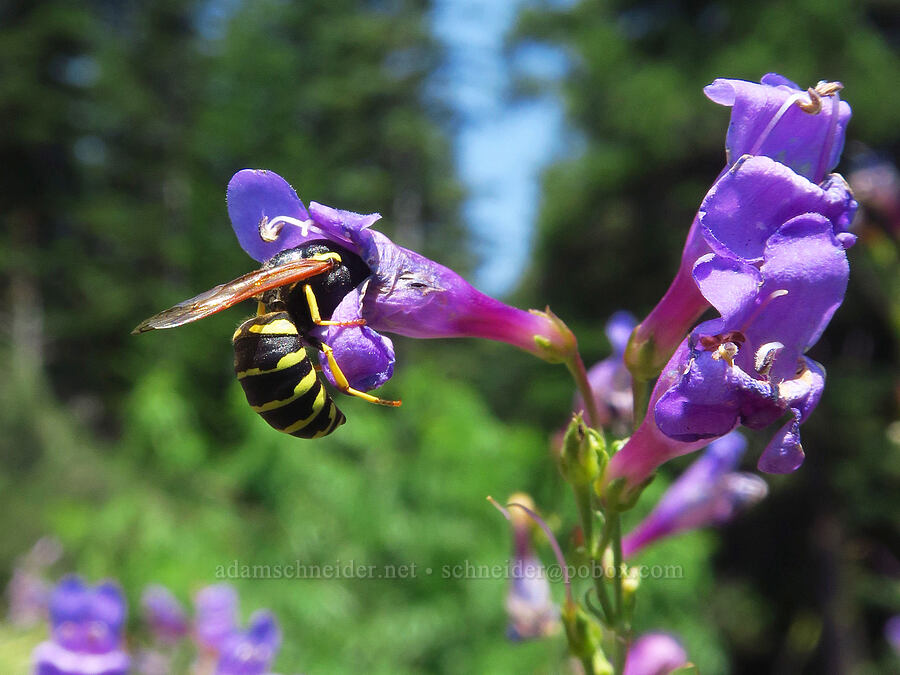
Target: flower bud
(583, 457)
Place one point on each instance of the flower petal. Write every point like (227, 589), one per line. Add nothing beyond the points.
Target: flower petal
(618, 330)
(254, 194)
(750, 202)
(729, 285)
(805, 259)
(784, 453)
(411, 295)
(654, 654)
(766, 120)
(366, 357)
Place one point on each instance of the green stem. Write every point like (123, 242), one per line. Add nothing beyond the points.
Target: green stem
(586, 514)
(640, 391)
(587, 663)
(621, 627)
(579, 374)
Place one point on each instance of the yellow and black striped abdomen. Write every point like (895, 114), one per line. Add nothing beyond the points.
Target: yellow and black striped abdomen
(279, 379)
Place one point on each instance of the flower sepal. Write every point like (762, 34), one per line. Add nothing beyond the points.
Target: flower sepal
(689, 669)
(556, 342)
(618, 496)
(643, 358)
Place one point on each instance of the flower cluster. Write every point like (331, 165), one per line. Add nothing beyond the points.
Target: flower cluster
(87, 633)
(767, 251)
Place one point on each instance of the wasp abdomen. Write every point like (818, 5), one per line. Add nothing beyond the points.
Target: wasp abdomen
(279, 379)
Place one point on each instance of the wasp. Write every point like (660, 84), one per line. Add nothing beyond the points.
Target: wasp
(296, 291)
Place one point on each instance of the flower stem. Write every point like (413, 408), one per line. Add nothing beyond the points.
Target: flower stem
(586, 514)
(576, 367)
(640, 391)
(621, 623)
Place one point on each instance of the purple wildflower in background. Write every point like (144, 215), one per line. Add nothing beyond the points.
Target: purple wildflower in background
(803, 131)
(892, 632)
(610, 380)
(250, 651)
(215, 616)
(529, 604)
(655, 654)
(87, 626)
(28, 590)
(748, 366)
(407, 293)
(709, 492)
(165, 616)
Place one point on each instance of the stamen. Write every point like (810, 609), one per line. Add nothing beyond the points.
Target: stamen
(765, 357)
(726, 352)
(793, 98)
(825, 155)
(762, 304)
(814, 105)
(269, 230)
(825, 88)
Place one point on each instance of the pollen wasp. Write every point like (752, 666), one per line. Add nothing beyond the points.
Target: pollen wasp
(294, 290)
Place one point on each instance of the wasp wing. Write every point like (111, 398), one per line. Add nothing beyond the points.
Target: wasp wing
(224, 296)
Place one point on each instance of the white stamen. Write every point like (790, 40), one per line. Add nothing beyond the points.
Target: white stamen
(269, 230)
(281, 221)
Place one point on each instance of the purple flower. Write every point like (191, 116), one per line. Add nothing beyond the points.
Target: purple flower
(804, 131)
(529, 605)
(709, 492)
(747, 367)
(406, 293)
(215, 615)
(252, 651)
(655, 654)
(86, 626)
(892, 632)
(610, 380)
(766, 194)
(164, 614)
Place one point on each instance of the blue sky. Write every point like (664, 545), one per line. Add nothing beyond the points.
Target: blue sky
(500, 146)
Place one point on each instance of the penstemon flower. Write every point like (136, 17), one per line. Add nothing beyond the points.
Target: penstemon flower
(251, 651)
(747, 367)
(215, 616)
(709, 492)
(87, 626)
(529, 604)
(164, 614)
(405, 293)
(803, 131)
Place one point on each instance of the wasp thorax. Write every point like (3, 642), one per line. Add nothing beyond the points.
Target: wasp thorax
(348, 272)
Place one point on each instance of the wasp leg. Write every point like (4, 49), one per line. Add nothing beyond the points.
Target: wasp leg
(341, 381)
(317, 317)
(261, 309)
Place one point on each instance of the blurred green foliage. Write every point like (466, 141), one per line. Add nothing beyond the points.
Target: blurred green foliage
(121, 124)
